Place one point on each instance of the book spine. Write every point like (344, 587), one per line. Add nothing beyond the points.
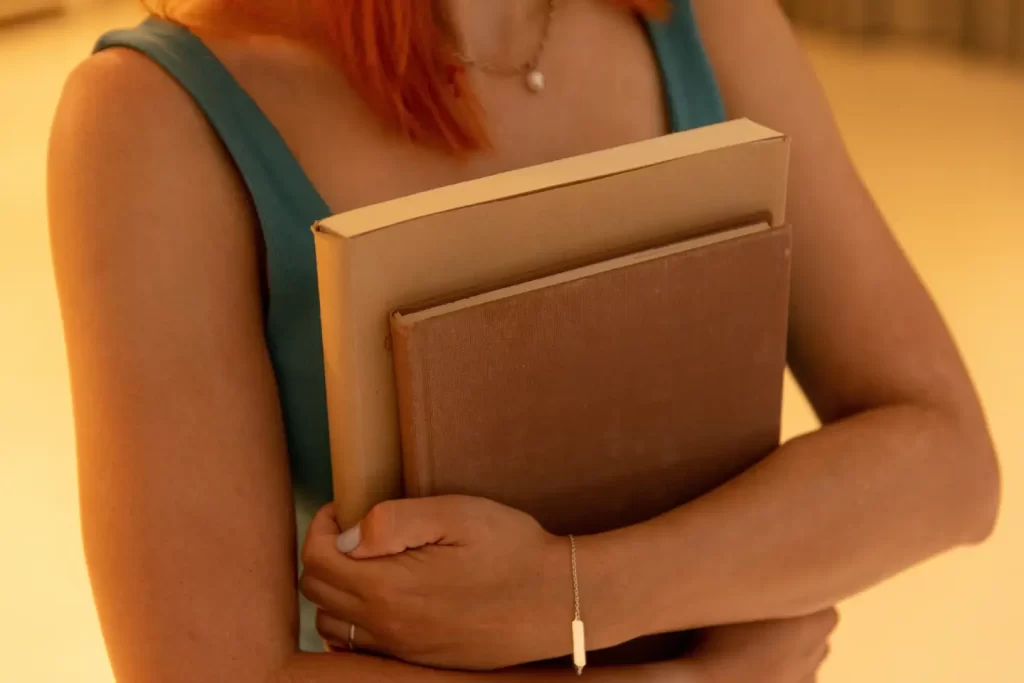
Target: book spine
(413, 410)
(360, 478)
(332, 296)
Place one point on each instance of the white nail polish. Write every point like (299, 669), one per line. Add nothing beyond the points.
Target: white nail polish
(349, 540)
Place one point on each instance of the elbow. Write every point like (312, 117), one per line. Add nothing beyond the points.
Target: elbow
(977, 482)
(986, 498)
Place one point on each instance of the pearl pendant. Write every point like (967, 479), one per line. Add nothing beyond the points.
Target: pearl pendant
(535, 81)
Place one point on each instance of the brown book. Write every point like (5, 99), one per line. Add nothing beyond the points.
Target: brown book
(487, 234)
(606, 395)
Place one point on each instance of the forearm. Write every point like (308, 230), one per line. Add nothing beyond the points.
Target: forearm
(332, 668)
(822, 518)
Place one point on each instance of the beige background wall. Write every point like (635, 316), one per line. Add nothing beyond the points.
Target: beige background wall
(940, 141)
(980, 26)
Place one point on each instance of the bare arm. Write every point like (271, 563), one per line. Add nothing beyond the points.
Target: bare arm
(185, 499)
(904, 467)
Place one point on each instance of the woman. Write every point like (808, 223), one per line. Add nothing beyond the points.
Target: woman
(184, 175)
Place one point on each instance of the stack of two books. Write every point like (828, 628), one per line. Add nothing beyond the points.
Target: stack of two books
(594, 341)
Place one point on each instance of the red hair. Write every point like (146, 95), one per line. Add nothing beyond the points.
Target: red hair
(398, 55)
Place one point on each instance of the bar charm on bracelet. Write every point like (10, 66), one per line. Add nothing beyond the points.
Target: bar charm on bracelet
(579, 643)
(579, 647)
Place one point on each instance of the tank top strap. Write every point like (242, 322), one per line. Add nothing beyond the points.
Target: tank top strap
(272, 174)
(691, 90)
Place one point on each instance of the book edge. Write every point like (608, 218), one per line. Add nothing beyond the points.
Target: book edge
(407, 319)
(416, 456)
(368, 219)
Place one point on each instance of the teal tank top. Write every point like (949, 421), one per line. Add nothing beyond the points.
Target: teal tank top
(287, 204)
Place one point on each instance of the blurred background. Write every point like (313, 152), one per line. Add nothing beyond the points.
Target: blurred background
(930, 97)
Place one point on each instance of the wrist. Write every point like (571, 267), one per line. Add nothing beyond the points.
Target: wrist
(615, 589)
(621, 598)
(598, 588)
(554, 605)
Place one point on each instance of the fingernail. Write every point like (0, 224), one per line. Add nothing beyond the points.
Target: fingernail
(349, 541)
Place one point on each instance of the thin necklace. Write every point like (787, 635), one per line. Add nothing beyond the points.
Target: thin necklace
(529, 71)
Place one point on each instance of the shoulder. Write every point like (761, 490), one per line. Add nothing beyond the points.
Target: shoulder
(764, 74)
(128, 145)
(116, 71)
(121, 112)
(119, 97)
(141, 193)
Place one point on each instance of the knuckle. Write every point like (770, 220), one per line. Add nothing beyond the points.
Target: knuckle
(324, 515)
(309, 553)
(314, 590)
(318, 554)
(305, 586)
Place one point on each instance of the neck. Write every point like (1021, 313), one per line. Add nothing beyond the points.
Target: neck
(500, 31)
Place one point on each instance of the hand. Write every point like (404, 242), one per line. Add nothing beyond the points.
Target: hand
(780, 651)
(452, 582)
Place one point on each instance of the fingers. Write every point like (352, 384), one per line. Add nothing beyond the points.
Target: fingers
(330, 598)
(396, 526)
(321, 532)
(322, 561)
(340, 636)
(324, 523)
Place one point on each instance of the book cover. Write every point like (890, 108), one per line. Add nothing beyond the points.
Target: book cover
(603, 396)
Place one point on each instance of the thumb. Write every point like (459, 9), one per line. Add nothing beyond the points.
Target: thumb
(395, 526)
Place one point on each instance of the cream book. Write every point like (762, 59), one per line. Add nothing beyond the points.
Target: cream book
(480, 236)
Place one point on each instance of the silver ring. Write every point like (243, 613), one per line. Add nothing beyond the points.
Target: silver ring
(352, 637)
